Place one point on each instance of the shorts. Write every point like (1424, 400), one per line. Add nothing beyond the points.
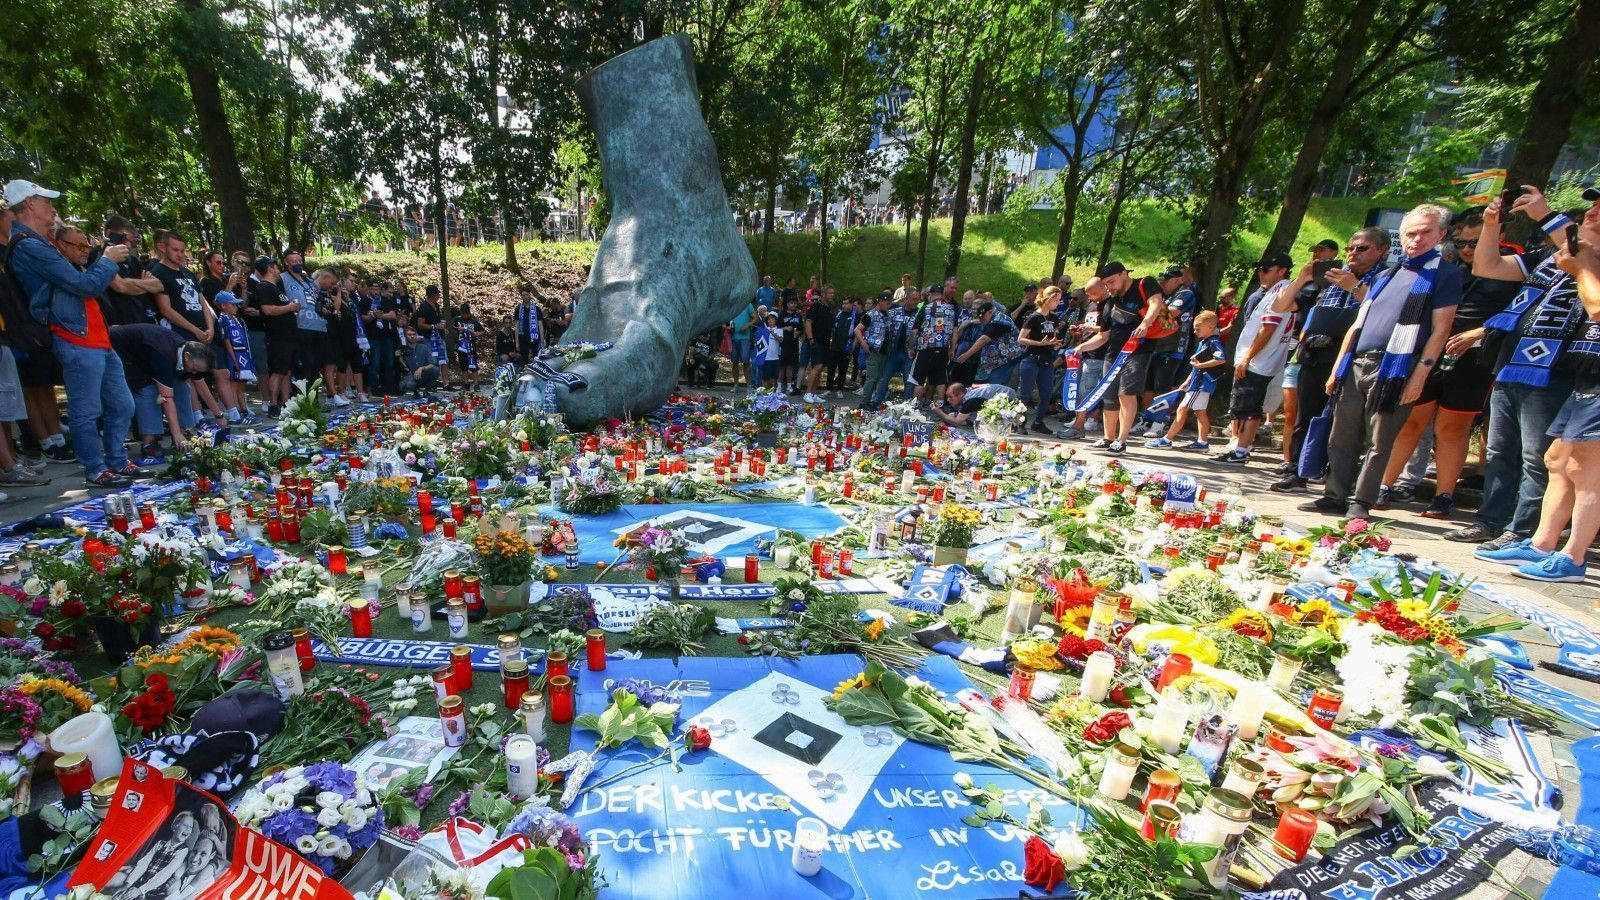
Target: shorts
(313, 353)
(809, 355)
(466, 362)
(1291, 377)
(1249, 396)
(931, 365)
(963, 373)
(789, 357)
(1164, 369)
(12, 406)
(40, 369)
(1196, 400)
(1578, 420)
(1463, 389)
(281, 353)
(741, 350)
(258, 351)
(769, 371)
(1131, 383)
(342, 349)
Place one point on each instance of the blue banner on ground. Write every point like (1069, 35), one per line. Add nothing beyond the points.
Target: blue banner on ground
(713, 529)
(727, 816)
(414, 654)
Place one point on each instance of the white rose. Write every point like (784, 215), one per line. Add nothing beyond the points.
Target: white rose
(1072, 851)
(963, 780)
(33, 587)
(282, 803)
(356, 819)
(328, 845)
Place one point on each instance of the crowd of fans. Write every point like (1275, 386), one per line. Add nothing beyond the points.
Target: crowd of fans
(153, 346)
(1370, 366)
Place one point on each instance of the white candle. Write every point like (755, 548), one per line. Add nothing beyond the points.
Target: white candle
(1170, 723)
(91, 734)
(1097, 674)
(810, 842)
(1249, 705)
(402, 602)
(1284, 669)
(1122, 764)
(522, 766)
(908, 482)
(783, 556)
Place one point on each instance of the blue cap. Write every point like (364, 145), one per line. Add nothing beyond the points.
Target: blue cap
(225, 297)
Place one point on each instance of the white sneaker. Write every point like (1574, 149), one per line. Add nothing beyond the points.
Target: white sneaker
(812, 398)
(363, 398)
(337, 400)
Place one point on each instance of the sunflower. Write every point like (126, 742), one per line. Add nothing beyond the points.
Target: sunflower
(33, 685)
(849, 684)
(1248, 623)
(1075, 619)
(874, 629)
(1034, 654)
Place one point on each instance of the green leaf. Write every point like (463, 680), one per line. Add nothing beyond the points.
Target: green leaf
(859, 707)
(52, 816)
(529, 883)
(975, 820)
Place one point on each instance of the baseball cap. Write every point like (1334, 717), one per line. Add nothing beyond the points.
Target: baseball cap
(1326, 244)
(263, 263)
(1172, 272)
(1109, 269)
(1030, 286)
(1272, 260)
(19, 190)
(885, 295)
(934, 289)
(224, 297)
(1590, 194)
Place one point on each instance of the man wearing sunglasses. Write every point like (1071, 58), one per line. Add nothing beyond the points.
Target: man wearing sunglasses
(1323, 331)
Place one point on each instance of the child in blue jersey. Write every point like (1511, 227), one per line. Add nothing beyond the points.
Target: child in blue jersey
(1197, 390)
(769, 349)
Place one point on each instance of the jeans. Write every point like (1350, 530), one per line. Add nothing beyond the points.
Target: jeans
(1417, 467)
(1515, 477)
(886, 366)
(430, 377)
(1359, 445)
(97, 389)
(380, 365)
(1088, 376)
(1036, 374)
(151, 417)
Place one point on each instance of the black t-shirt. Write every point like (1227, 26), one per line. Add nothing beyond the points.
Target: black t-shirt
(427, 314)
(282, 327)
(1040, 327)
(1481, 299)
(1123, 313)
(149, 353)
(793, 330)
(129, 309)
(380, 328)
(183, 292)
(821, 317)
(1547, 279)
(505, 342)
(210, 286)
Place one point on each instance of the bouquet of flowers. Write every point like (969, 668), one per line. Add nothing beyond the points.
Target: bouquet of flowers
(482, 452)
(505, 558)
(55, 602)
(381, 497)
(325, 812)
(1001, 416)
(767, 408)
(418, 446)
(199, 457)
(558, 845)
(592, 498)
(657, 547)
(576, 351)
(158, 562)
(954, 527)
(304, 419)
(1350, 537)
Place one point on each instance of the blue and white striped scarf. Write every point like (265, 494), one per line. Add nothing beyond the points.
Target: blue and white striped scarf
(1400, 353)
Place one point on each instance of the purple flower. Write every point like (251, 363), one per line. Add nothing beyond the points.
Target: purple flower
(424, 795)
(409, 832)
(1392, 751)
(285, 826)
(330, 776)
(458, 806)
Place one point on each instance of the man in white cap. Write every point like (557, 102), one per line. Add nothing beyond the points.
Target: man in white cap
(99, 404)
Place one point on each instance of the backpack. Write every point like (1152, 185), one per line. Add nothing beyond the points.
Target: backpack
(21, 330)
(997, 353)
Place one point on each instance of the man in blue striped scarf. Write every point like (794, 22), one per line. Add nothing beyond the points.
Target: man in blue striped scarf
(1400, 330)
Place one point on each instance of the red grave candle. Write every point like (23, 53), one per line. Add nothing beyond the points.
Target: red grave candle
(594, 650)
(562, 705)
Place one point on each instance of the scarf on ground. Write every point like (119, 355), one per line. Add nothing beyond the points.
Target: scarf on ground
(1400, 353)
(1545, 336)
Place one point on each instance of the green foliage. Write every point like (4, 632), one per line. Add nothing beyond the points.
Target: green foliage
(626, 719)
(545, 875)
(679, 628)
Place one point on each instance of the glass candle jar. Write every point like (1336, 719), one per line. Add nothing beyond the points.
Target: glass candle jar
(461, 667)
(455, 617)
(283, 665)
(302, 649)
(1296, 829)
(1284, 669)
(360, 618)
(595, 649)
(453, 716)
(1122, 763)
(555, 663)
(1162, 786)
(532, 709)
(452, 583)
(514, 681)
(562, 702)
(510, 647)
(1223, 821)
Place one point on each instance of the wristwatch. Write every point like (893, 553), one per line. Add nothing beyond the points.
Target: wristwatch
(1426, 362)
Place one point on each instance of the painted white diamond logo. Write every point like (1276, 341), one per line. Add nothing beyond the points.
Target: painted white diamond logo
(706, 532)
(788, 742)
(1536, 351)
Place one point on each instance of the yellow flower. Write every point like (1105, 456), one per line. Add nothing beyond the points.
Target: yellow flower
(1415, 610)
(33, 684)
(849, 684)
(1036, 654)
(873, 629)
(1075, 619)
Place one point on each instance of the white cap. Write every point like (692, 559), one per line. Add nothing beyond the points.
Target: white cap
(19, 190)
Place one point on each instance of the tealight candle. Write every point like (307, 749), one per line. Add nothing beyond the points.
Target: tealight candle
(1097, 674)
(1122, 763)
(1284, 670)
(810, 842)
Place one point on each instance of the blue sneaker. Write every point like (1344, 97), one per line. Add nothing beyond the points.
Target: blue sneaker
(1200, 446)
(1556, 566)
(1159, 443)
(1515, 553)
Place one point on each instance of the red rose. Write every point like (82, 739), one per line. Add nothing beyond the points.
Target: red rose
(697, 738)
(156, 682)
(73, 608)
(1041, 868)
(1106, 728)
(1119, 696)
(1093, 645)
(44, 629)
(51, 643)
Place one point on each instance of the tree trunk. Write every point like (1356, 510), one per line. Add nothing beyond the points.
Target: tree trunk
(926, 212)
(439, 215)
(766, 221)
(1071, 190)
(1557, 97)
(216, 137)
(969, 135)
(510, 236)
(1319, 133)
(1115, 214)
(1222, 209)
(907, 212)
(822, 231)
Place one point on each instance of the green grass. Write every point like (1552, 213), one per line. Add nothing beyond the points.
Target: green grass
(1000, 252)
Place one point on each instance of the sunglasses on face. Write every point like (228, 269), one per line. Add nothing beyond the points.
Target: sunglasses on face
(1358, 248)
